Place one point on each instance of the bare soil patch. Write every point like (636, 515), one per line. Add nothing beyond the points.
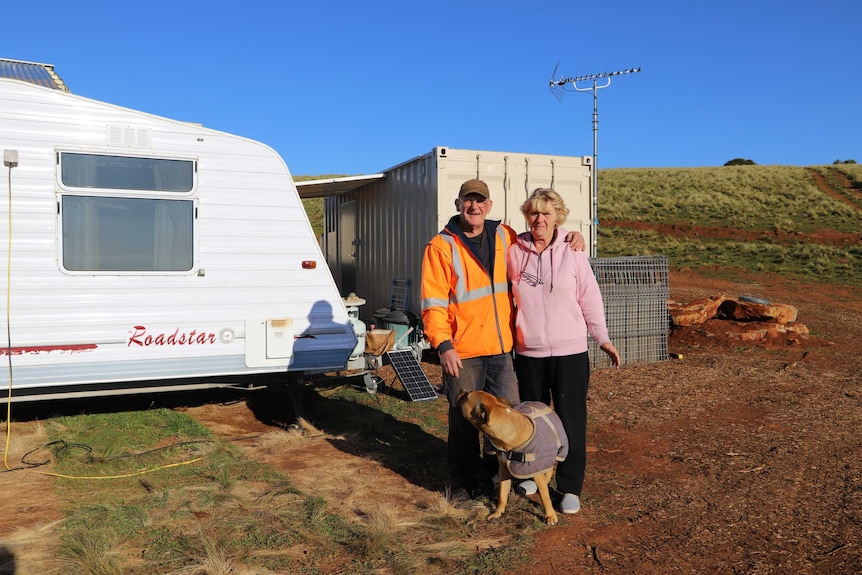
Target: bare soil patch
(737, 458)
(740, 457)
(846, 185)
(823, 237)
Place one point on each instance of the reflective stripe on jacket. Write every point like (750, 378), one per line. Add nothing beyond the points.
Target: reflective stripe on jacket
(460, 302)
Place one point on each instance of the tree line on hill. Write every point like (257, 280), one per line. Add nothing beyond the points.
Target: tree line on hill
(744, 162)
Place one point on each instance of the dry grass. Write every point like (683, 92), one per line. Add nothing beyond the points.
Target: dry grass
(30, 549)
(31, 443)
(210, 557)
(742, 197)
(91, 552)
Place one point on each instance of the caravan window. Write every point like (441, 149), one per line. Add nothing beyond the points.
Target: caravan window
(126, 214)
(126, 173)
(112, 234)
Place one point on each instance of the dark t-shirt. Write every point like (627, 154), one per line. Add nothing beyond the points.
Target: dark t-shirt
(480, 243)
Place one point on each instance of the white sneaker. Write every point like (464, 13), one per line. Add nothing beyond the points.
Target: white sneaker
(570, 504)
(526, 487)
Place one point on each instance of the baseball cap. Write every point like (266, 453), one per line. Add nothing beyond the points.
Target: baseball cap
(474, 187)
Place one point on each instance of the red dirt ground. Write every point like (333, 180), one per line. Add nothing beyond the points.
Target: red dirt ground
(740, 457)
(824, 237)
(737, 458)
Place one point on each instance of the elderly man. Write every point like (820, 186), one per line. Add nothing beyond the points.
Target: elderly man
(468, 316)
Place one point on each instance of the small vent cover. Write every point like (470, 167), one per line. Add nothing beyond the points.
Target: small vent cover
(128, 137)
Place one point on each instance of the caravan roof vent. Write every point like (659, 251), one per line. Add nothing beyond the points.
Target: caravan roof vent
(128, 137)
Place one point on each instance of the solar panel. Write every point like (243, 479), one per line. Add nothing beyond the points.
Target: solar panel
(414, 379)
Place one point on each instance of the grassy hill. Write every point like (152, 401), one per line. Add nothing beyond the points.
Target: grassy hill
(802, 221)
(313, 206)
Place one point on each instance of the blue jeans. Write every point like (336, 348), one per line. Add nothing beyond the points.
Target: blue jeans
(468, 468)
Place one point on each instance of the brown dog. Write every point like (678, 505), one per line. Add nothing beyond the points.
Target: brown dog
(529, 439)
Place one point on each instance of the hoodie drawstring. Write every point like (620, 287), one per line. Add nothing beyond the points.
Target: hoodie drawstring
(528, 253)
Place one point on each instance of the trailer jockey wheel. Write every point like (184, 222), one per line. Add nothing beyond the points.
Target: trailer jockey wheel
(373, 383)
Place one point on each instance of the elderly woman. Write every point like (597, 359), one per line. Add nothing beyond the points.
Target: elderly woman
(558, 301)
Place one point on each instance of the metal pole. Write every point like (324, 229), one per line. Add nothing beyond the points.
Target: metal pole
(594, 229)
(594, 205)
(594, 247)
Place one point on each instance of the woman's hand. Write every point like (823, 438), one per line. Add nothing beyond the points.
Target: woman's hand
(612, 352)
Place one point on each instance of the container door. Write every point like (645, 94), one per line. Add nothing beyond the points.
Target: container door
(348, 246)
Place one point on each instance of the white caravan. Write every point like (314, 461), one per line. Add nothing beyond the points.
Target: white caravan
(146, 254)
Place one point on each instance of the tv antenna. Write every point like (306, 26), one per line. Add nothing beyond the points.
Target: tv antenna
(580, 84)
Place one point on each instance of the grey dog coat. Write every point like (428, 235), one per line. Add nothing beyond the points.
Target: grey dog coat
(547, 444)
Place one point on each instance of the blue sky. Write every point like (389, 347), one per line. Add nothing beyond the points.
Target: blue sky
(357, 87)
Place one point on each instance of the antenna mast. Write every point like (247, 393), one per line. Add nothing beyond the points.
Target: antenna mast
(594, 88)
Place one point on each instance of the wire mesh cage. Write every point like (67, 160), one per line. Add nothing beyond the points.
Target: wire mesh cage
(635, 291)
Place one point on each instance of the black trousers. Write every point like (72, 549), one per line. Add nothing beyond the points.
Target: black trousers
(561, 382)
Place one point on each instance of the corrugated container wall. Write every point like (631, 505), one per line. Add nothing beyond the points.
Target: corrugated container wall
(393, 226)
(378, 232)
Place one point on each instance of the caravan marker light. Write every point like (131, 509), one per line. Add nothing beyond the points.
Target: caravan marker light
(309, 264)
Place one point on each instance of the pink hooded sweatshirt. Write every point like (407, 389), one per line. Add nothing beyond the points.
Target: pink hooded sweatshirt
(557, 298)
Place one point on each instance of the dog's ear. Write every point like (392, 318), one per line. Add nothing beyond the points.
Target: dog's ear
(461, 395)
(481, 412)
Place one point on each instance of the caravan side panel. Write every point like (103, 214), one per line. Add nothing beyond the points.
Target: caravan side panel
(394, 226)
(248, 304)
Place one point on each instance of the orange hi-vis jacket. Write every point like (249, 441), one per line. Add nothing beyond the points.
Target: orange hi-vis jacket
(462, 306)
